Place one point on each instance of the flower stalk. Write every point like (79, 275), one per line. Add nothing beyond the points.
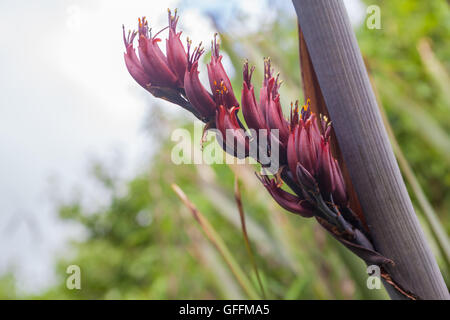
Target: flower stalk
(343, 81)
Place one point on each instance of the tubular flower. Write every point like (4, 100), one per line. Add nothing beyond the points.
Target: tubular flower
(304, 140)
(153, 69)
(132, 62)
(176, 55)
(233, 138)
(270, 103)
(199, 97)
(145, 79)
(287, 200)
(218, 77)
(309, 154)
(250, 109)
(175, 77)
(153, 59)
(330, 175)
(268, 113)
(162, 76)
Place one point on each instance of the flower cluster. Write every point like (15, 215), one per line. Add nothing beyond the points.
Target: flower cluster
(310, 159)
(307, 165)
(174, 76)
(305, 148)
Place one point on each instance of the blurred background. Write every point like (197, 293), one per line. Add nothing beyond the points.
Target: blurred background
(85, 168)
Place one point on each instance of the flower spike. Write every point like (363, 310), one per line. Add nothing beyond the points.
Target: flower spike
(303, 141)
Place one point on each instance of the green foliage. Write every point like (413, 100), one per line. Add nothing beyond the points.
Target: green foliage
(416, 106)
(8, 288)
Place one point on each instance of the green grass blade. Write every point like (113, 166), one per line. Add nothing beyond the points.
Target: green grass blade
(237, 195)
(218, 242)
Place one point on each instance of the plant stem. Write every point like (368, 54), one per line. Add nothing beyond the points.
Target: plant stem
(366, 150)
(237, 195)
(429, 214)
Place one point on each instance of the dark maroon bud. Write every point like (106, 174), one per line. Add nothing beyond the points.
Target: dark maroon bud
(287, 200)
(339, 191)
(233, 138)
(152, 58)
(292, 151)
(151, 70)
(305, 178)
(219, 78)
(132, 62)
(198, 96)
(176, 55)
(250, 109)
(325, 170)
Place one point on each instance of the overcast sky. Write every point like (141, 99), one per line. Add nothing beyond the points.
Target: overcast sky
(65, 99)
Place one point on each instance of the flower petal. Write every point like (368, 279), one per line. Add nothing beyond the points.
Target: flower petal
(287, 200)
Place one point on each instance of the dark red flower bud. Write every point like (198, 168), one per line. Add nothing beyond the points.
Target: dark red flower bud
(307, 148)
(292, 158)
(162, 76)
(309, 156)
(304, 140)
(287, 200)
(218, 77)
(176, 55)
(325, 175)
(276, 120)
(339, 191)
(153, 59)
(132, 62)
(271, 106)
(252, 113)
(199, 97)
(263, 100)
(305, 178)
(330, 176)
(234, 140)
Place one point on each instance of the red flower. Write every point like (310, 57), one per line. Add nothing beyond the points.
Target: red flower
(175, 77)
(218, 77)
(199, 97)
(309, 156)
(252, 112)
(153, 68)
(132, 62)
(287, 200)
(162, 76)
(304, 142)
(330, 176)
(176, 55)
(268, 114)
(233, 138)
(153, 59)
(270, 103)
(204, 102)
